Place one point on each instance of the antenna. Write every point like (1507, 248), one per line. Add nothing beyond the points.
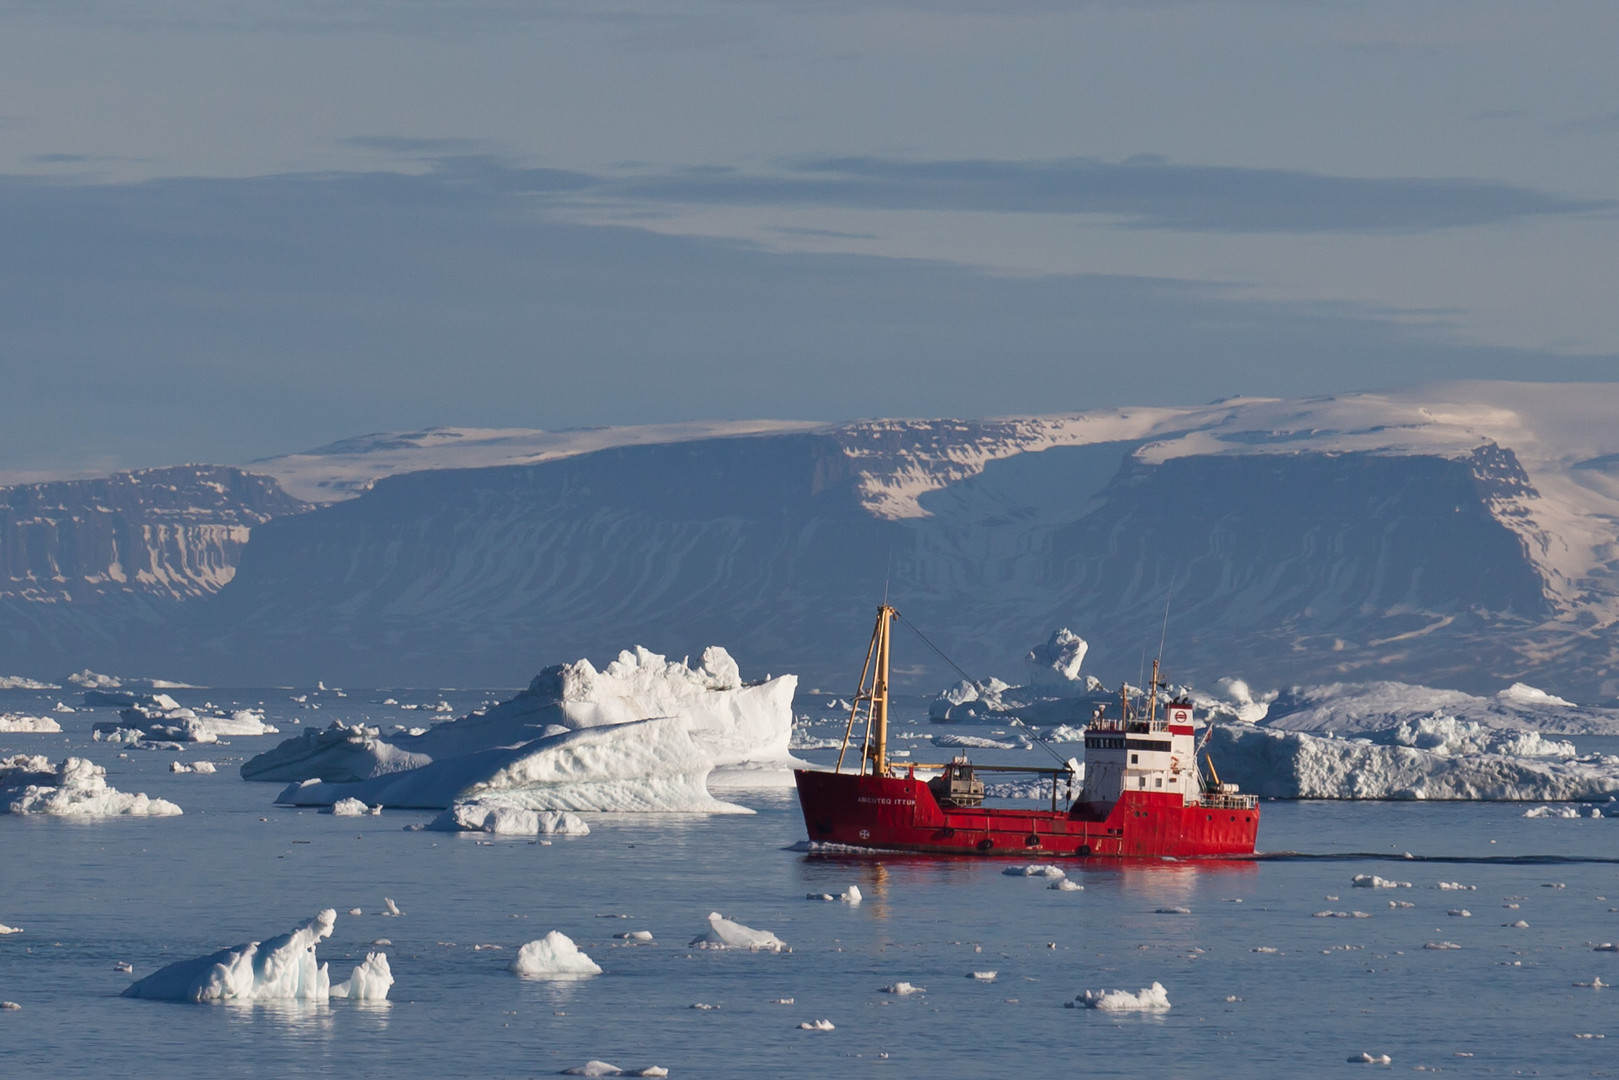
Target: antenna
(1163, 635)
(888, 573)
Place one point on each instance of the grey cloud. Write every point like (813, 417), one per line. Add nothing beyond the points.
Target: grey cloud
(1146, 191)
(228, 319)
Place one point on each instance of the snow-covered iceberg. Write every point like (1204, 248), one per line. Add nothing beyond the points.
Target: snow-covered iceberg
(1432, 759)
(644, 733)
(282, 968)
(648, 765)
(20, 682)
(16, 723)
(1151, 998)
(30, 784)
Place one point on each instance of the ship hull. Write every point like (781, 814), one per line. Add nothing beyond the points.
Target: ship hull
(895, 813)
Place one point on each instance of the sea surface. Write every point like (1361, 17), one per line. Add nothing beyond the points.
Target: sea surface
(1260, 985)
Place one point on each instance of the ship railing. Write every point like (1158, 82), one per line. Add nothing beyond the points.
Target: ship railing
(1113, 724)
(1215, 801)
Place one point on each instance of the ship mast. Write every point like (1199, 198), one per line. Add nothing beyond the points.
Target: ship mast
(872, 696)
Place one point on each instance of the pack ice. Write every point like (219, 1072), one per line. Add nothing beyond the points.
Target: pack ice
(642, 734)
(75, 788)
(282, 968)
(16, 723)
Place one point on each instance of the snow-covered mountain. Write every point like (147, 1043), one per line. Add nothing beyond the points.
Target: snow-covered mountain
(1460, 535)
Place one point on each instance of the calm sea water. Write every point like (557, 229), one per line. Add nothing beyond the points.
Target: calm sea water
(236, 868)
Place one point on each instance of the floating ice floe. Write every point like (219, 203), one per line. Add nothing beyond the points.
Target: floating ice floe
(976, 742)
(19, 682)
(1150, 998)
(392, 908)
(644, 733)
(282, 968)
(817, 1025)
(1372, 881)
(1456, 886)
(1560, 812)
(602, 1068)
(1041, 870)
(983, 976)
(1441, 945)
(159, 718)
(1363, 1058)
(1595, 984)
(489, 817)
(722, 933)
(194, 767)
(75, 788)
(1434, 758)
(9, 1006)
(353, 808)
(1172, 911)
(1066, 885)
(18, 724)
(4, 929)
(635, 935)
(902, 989)
(853, 896)
(1606, 946)
(554, 956)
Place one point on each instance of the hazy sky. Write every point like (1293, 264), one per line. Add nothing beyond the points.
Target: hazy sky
(229, 230)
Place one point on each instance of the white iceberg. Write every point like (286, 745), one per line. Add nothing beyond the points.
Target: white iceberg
(282, 968)
(480, 816)
(646, 765)
(159, 718)
(19, 682)
(1055, 665)
(352, 808)
(4, 929)
(1375, 706)
(817, 1025)
(17, 724)
(734, 724)
(902, 989)
(554, 956)
(722, 933)
(1151, 998)
(370, 981)
(1040, 870)
(75, 788)
(1465, 761)
(594, 1067)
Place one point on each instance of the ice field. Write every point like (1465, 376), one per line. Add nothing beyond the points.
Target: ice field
(1259, 971)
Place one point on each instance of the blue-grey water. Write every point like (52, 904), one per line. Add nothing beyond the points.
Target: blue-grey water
(235, 868)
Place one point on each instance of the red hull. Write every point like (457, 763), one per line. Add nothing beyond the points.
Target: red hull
(901, 814)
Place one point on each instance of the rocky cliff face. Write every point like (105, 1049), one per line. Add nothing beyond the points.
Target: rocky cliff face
(175, 533)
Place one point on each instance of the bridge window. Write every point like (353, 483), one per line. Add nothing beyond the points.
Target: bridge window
(1135, 758)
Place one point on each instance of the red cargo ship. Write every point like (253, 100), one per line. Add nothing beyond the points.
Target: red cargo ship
(1143, 793)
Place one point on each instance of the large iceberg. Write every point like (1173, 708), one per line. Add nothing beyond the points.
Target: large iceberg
(647, 765)
(643, 733)
(30, 784)
(283, 968)
(1438, 758)
(1376, 706)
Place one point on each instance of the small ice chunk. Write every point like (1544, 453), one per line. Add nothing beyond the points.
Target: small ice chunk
(852, 896)
(553, 956)
(703, 1006)
(816, 1025)
(1152, 997)
(1173, 911)
(9, 1005)
(983, 976)
(1606, 946)
(1519, 925)
(123, 967)
(1456, 886)
(393, 908)
(1066, 885)
(350, 808)
(602, 1068)
(722, 933)
(1372, 881)
(1364, 1058)
(635, 935)
(282, 968)
(4, 929)
(1401, 904)
(1459, 913)
(1441, 945)
(370, 981)
(1046, 870)
(902, 989)
(1265, 949)
(15, 723)
(1595, 984)
(355, 911)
